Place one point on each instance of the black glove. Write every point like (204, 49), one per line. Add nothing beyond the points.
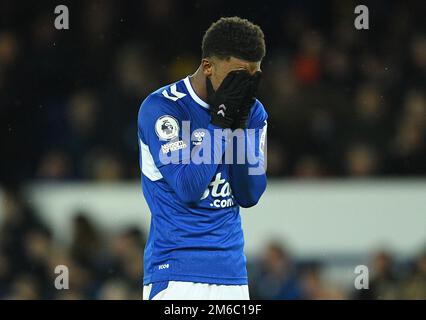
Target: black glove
(243, 112)
(228, 98)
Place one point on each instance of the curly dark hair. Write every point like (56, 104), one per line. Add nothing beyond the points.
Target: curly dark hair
(234, 37)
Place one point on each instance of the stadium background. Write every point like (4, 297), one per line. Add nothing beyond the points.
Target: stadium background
(347, 115)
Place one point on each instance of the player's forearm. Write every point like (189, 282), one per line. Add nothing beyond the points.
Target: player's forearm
(248, 177)
(189, 181)
(246, 188)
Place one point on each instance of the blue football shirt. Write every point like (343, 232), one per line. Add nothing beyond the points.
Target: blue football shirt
(195, 233)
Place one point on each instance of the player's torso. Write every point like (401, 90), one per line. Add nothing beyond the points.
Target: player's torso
(218, 195)
(202, 242)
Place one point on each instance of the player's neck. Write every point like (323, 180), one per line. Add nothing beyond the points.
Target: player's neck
(198, 82)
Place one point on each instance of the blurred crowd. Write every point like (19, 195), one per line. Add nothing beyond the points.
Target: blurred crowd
(342, 102)
(101, 266)
(277, 275)
(105, 265)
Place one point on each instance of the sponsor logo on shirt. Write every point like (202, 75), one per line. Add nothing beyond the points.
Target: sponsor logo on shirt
(219, 188)
(173, 146)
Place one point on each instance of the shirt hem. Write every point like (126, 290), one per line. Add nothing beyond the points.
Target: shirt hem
(198, 279)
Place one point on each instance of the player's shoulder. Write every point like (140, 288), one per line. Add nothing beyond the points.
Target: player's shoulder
(158, 99)
(258, 107)
(162, 100)
(258, 114)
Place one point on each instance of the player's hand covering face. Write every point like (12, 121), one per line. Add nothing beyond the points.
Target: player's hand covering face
(230, 104)
(243, 114)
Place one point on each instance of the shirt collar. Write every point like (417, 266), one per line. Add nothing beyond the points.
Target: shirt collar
(193, 95)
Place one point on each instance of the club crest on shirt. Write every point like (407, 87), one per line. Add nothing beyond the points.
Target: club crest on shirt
(166, 128)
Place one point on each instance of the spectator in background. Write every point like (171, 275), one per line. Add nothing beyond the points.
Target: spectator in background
(17, 221)
(408, 147)
(361, 160)
(5, 274)
(86, 241)
(24, 242)
(115, 290)
(8, 49)
(414, 286)
(308, 167)
(24, 287)
(417, 69)
(368, 121)
(82, 130)
(126, 250)
(276, 161)
(38, 249)
(104, 165)
(306, 64)
(83, 282)
(383, 281)
(274, 277)
(314, 288)
(54, 165)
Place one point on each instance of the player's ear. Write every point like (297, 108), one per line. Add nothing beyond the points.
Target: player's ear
(207, 67)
